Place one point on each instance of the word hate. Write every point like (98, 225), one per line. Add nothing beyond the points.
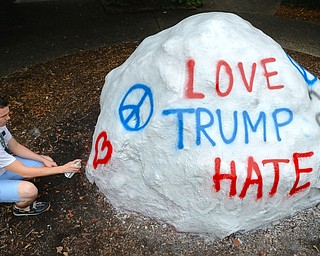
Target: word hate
(253, 167)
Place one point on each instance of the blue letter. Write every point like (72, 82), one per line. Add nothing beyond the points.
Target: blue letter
(277, 124)
(235, 127)
(246, 120)
(179, 112)
(201, 128)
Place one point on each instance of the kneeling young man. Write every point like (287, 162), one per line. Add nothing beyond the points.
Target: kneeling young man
(18, 163)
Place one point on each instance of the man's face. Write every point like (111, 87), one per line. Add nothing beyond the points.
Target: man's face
(4, 116)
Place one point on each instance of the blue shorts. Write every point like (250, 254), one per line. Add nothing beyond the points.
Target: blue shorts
(9, 182)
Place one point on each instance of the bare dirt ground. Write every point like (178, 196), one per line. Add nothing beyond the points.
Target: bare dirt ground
(55, 106)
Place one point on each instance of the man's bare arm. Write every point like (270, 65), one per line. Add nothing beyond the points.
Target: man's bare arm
(32, 172)
(18, 149)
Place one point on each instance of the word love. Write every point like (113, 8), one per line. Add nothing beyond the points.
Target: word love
(253, 168)
(204, 119)
(224, 69)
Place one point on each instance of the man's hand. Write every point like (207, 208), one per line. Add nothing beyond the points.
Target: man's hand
(48, 161)
(72, 166)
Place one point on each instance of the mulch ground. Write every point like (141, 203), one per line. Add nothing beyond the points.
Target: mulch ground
(299, 13)
(54, 107)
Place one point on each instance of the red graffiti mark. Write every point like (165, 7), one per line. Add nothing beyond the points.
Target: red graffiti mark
(224, 77)
(253, 166)
(219, 176)
(249, 85)
(276, 169)
(105, 144)
(295, 189)
(269, 74)
(190, 94)
(228, 72)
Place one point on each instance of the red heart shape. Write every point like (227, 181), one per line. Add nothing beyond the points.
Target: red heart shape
(105, 144)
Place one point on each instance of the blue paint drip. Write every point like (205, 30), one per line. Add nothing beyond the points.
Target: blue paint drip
(303, 72)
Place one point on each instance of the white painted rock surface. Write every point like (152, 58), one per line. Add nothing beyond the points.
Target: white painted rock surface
(210, 127)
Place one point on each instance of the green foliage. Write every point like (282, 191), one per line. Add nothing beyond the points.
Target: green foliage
(123, 3)
(194, 3)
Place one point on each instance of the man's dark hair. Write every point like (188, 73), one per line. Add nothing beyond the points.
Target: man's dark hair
(3, 102)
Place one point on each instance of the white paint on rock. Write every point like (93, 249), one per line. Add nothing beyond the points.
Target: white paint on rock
(156, 169)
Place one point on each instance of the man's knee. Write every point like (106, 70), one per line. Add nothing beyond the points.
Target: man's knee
(27, 190)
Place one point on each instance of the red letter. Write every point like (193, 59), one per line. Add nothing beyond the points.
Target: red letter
(244, 79)
(217, 177)
(252, 165)
(295, 189)
(229, 72)
(190, 94)
(268, 74)
(276, 173)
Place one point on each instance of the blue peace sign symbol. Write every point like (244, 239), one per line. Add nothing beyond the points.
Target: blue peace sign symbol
(136, 108)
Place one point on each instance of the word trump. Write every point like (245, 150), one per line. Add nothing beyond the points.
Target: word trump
(253, 167)
(201, 128)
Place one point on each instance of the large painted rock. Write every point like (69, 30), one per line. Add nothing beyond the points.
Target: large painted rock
(209, 126)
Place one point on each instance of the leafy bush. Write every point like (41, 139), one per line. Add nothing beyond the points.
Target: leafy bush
(195, 3)
(122, 3)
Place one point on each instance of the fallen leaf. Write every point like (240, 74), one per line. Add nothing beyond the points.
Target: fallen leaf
(70, 213)
(59, 249)
(27, 246)
(94, 220)
(236, 242)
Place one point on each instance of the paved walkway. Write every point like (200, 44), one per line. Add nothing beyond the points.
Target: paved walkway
(35, 32)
